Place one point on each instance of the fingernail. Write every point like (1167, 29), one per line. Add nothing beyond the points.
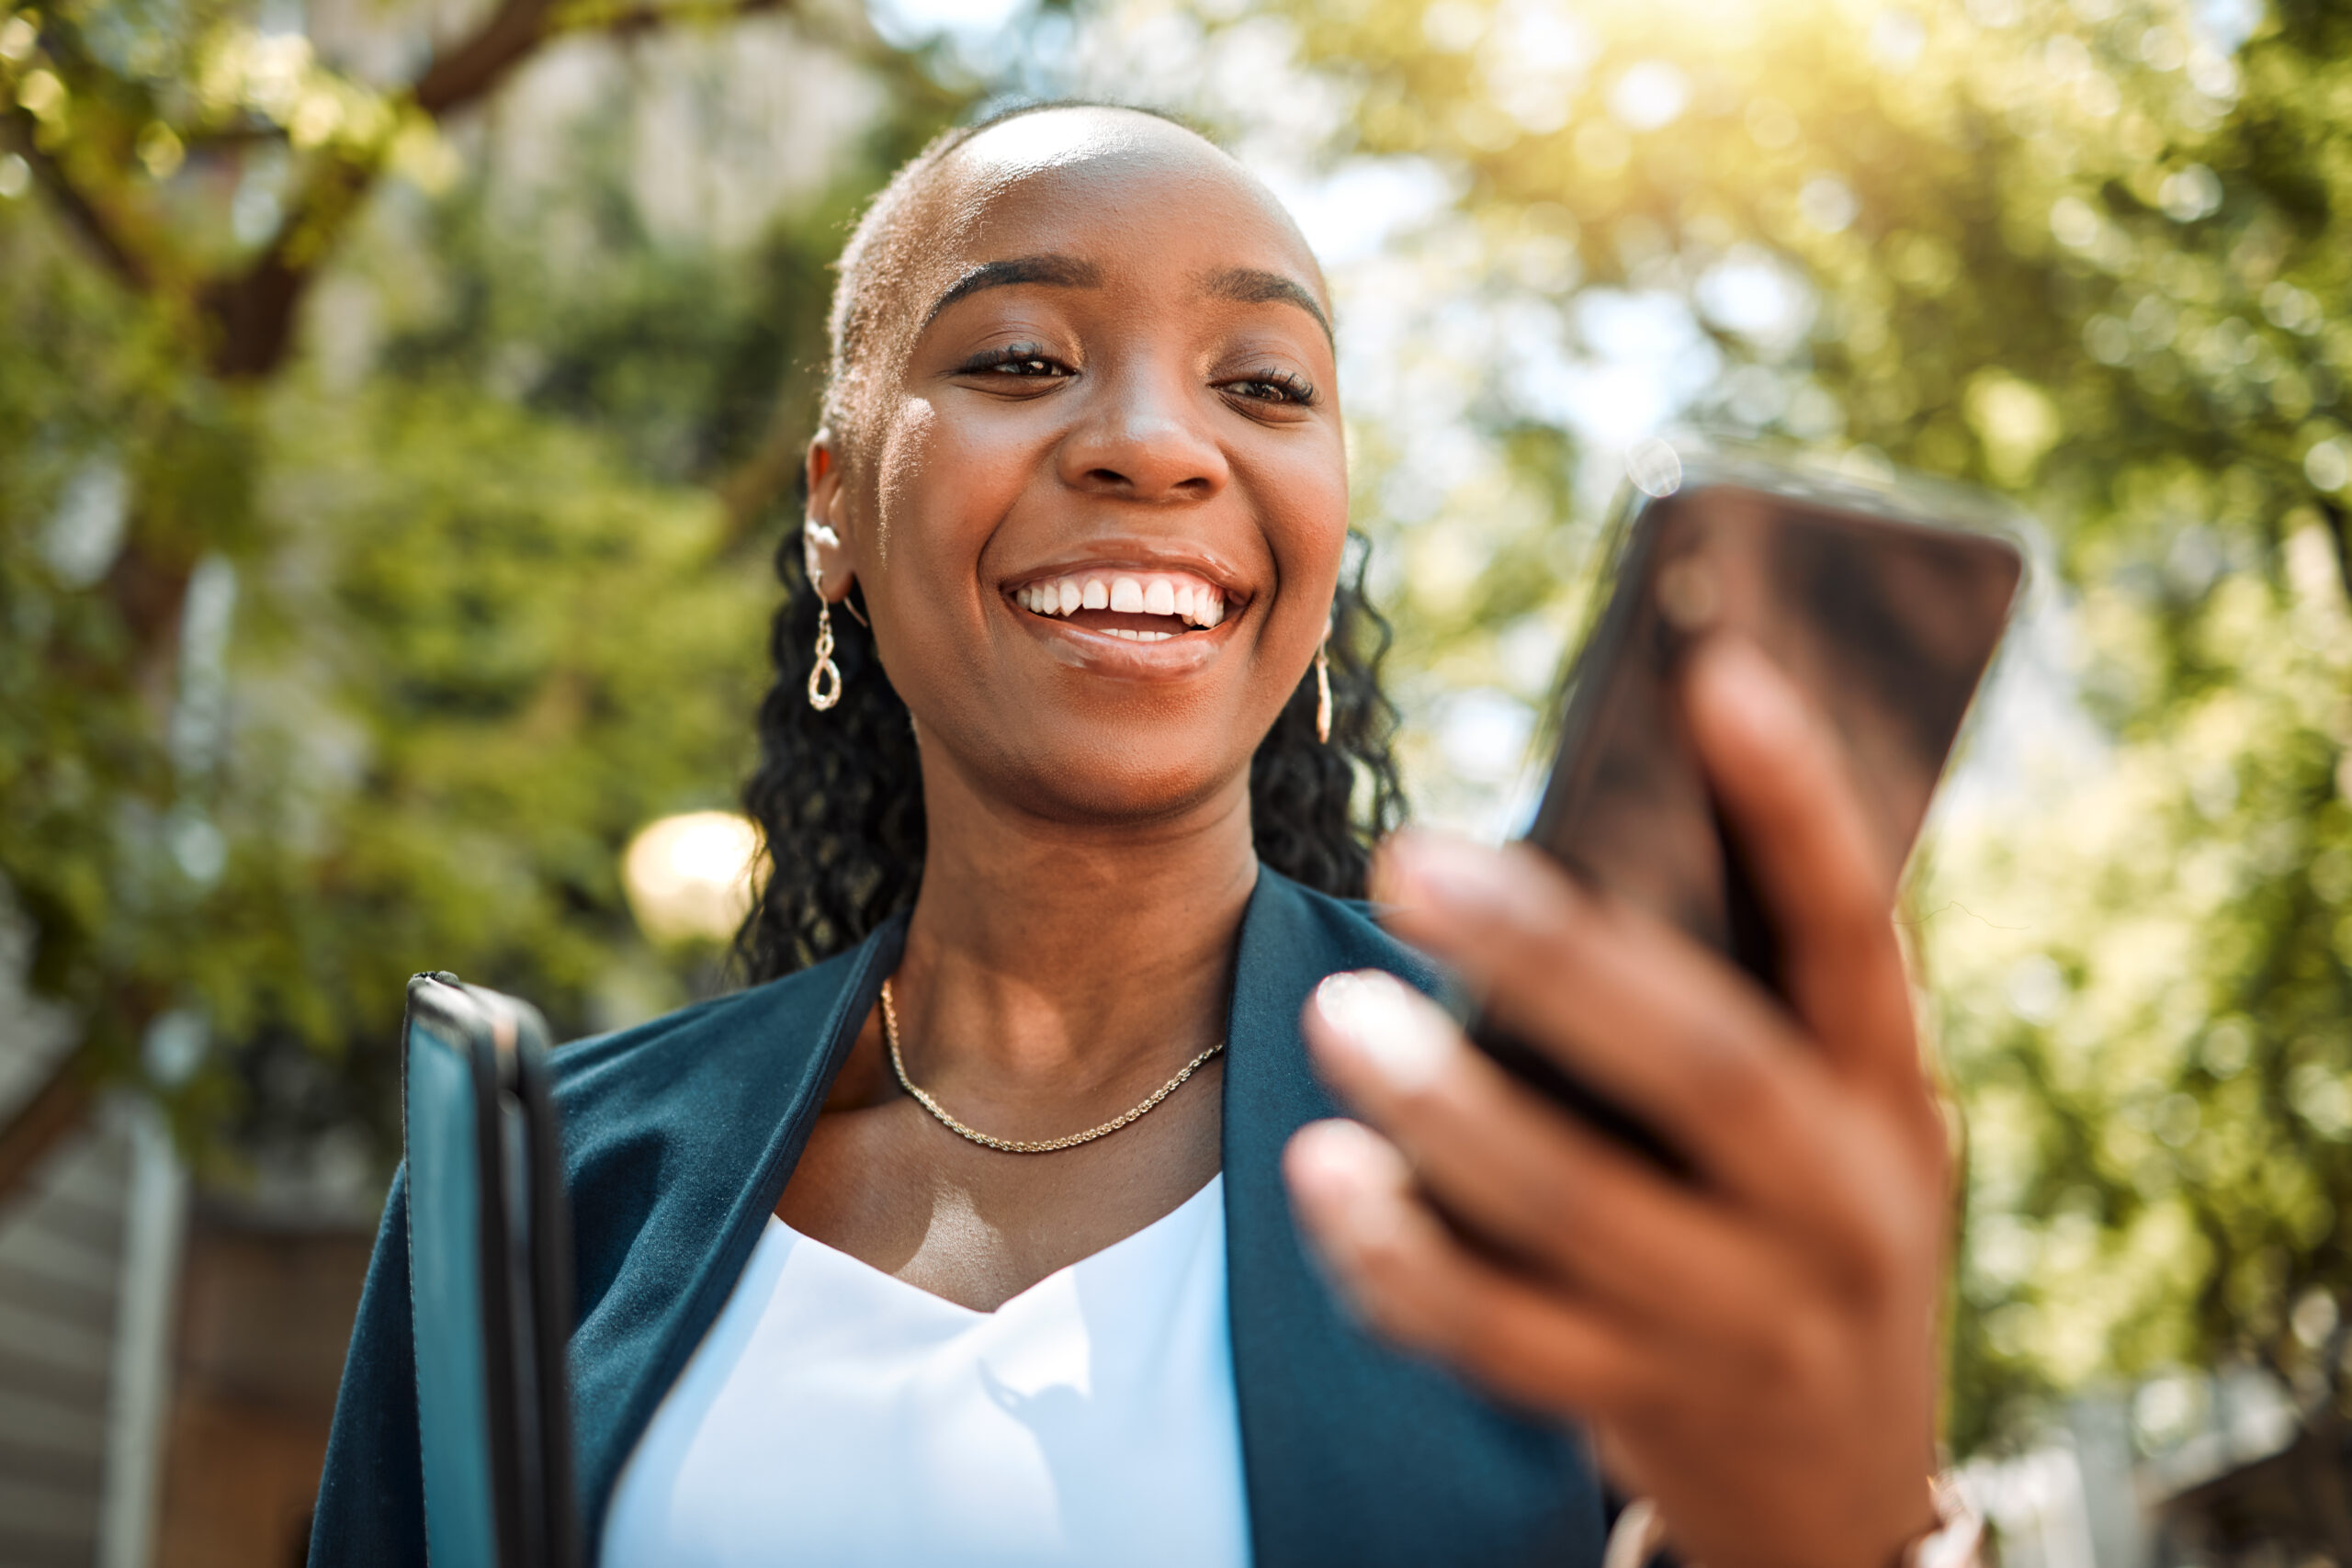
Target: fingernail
(1323, 1165)
(1335, 1167)
(1751, 687)
(1373, 1015)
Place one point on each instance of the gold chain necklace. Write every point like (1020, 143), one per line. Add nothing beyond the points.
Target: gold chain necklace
(1009, 1146)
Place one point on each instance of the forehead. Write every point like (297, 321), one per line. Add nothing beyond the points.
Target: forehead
(1112, 187)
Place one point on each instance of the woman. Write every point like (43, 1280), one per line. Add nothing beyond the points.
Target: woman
(1011, 1221)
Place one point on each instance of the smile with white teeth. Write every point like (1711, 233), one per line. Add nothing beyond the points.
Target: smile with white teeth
(1198, 605)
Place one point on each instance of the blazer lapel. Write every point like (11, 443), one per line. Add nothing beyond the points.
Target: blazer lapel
(1353, 1453)
(676, 1154)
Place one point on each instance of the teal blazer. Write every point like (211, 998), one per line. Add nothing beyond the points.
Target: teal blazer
(679, 1136)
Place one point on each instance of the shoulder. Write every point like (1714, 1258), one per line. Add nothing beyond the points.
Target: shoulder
(686, 1063)
(1318, 931)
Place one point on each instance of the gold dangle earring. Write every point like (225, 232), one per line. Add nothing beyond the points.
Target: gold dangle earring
(1323, 690)
(825, 679)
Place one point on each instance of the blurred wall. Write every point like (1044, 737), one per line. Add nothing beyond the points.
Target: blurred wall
(264, 1312)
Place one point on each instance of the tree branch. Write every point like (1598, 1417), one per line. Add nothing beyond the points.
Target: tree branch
(624, 20)
(519, 27)
(55, 1110)
(464, 74)
(227, 136)
(254, 311)
(2339, 528)
(81, 214)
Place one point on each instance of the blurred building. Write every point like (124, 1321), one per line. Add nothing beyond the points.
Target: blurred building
(168, 1360)
(2186, 1471)
(70, 1484)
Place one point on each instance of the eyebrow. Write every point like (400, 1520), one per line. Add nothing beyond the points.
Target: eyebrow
(1250, 285)
(1243, 285)
(1064, 272)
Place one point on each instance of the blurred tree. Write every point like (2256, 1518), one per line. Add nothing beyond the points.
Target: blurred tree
(321, 667)
(2093, 254)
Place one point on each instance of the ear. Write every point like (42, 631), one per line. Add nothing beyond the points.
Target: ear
(827, 556)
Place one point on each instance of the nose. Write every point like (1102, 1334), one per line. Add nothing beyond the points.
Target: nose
(1143, 436)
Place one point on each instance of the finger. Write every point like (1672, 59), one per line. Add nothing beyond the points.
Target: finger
(1415, 1283)
(1807, 835)
(1522, 1175)
(1645, 1015)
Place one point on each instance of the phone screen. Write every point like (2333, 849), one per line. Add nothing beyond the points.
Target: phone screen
(1888, 624)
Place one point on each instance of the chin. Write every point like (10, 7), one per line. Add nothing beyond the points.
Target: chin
(1148, 782)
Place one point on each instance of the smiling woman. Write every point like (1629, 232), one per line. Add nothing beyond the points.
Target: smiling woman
(964, 1235)
(835, 791)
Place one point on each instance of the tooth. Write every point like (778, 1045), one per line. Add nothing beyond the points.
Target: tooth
(1126, 595)
(1096, 597)
(1027, 598)
(1212, 612)
(1068, 595)
(1156, 636)
(1159, 599)
(1184, 597)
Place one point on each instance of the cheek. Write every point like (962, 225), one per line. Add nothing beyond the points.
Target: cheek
(939, 493)
(905, 460)
(1305, 513)
(940, 485)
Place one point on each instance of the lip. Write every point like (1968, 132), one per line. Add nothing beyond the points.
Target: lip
(1115, 657)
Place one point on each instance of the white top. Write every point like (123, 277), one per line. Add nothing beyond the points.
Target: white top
(837, 1415)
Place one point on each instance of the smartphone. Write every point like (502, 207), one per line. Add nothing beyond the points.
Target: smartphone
(1884, 612)
(489, 1279)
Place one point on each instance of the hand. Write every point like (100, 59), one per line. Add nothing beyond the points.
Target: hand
(1755, 1347)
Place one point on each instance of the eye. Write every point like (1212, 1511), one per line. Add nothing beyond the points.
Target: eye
(1018, 362)
(1271, 385)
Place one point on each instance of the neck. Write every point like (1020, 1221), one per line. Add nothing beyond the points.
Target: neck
(1075, 953)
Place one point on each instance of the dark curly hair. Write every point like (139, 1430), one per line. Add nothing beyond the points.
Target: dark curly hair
(838, 795)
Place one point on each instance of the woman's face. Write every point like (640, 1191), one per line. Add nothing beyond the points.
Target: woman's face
(1099, 494)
